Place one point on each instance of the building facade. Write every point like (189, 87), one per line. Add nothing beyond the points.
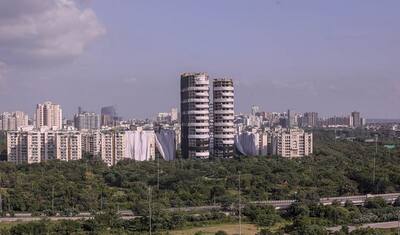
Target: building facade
(223, 118)
(356, 119)
(292, 143)
(87, 121)
(34, 146)
(195, 99)
(13, 121)
(48, 115)
(310, 119)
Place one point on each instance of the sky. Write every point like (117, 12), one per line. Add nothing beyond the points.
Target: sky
(332, 57)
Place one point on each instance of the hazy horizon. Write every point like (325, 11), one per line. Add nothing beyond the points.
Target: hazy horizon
(330, 57)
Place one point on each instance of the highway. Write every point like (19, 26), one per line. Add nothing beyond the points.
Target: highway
(383, 225)
(278, 204)
(356, 200)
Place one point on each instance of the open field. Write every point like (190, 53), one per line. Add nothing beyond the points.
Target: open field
(247, 229)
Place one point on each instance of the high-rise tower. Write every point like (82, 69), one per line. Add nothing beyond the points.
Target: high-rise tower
(195, 104)
(223, 118)
(49, 115)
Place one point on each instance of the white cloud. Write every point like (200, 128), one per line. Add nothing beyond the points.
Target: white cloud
(44, 31)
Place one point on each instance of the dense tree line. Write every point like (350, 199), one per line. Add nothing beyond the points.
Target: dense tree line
(338, 167)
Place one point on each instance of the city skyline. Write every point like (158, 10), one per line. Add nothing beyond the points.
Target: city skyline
(331, 58)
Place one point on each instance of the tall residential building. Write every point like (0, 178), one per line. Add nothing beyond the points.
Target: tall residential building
(91, 142)
(292, 143)
(34, 146)
(174, 115)
(356, 119)
(49, 115)
(310, 119)
(108, 116)
(87, 121)
(255, 109)
(13, 120)
(195, 115)
(223, 118)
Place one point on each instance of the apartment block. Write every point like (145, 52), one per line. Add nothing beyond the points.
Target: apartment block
(223, 116)
(48, 115)
(195, 108)
(34, 146)
(11, 121)
(292, 143)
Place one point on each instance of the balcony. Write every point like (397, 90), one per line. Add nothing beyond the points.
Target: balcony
(228, 88)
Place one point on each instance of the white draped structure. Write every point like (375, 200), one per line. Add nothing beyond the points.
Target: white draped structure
(139, 145)
(165, 142)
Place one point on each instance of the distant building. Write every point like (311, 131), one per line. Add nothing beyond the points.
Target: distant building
(108, 116)
(310, 119)
(195, 99)
(49, 115)
(174, 115)
(87, 121)
(253, 143)
(164, 117)
(292, 143)
(255, 110)
(13, 120)
(223, 115)
(356, 119)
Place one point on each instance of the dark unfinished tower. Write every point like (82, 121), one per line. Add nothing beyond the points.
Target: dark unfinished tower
(195, 99)
(223, 115)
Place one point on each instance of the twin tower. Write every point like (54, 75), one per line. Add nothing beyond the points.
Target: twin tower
(207, 118)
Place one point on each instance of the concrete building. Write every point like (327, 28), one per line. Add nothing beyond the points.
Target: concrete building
(356, 119)
(195, 115)
(34, 146)
(87, 121)
(48, 115)
(108, 116)
(292, 143)
(253, 143)
(310, 119)
(139, 145)
(223, 118)
(91, 142)
(13, 120)
(174, 115)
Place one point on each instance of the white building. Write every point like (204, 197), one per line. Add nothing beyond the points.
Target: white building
(174, 115)
(113, 146)
(13, 120)
(48, 115)
(87, 121)
(292, 143)
(34, 146)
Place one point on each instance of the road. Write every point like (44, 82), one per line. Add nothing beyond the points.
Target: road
(278, 204)
(383, 225)
(356, 200)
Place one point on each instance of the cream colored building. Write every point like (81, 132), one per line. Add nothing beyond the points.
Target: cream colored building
(91, 142)
(48, 115)
(136, 145)
(292, 143)
(34, 146)
(13, 121)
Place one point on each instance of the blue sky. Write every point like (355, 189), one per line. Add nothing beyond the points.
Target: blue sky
(327, 56)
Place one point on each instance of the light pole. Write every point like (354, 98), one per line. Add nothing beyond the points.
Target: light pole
(376, 153)
(240, 210)
(149, 210)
